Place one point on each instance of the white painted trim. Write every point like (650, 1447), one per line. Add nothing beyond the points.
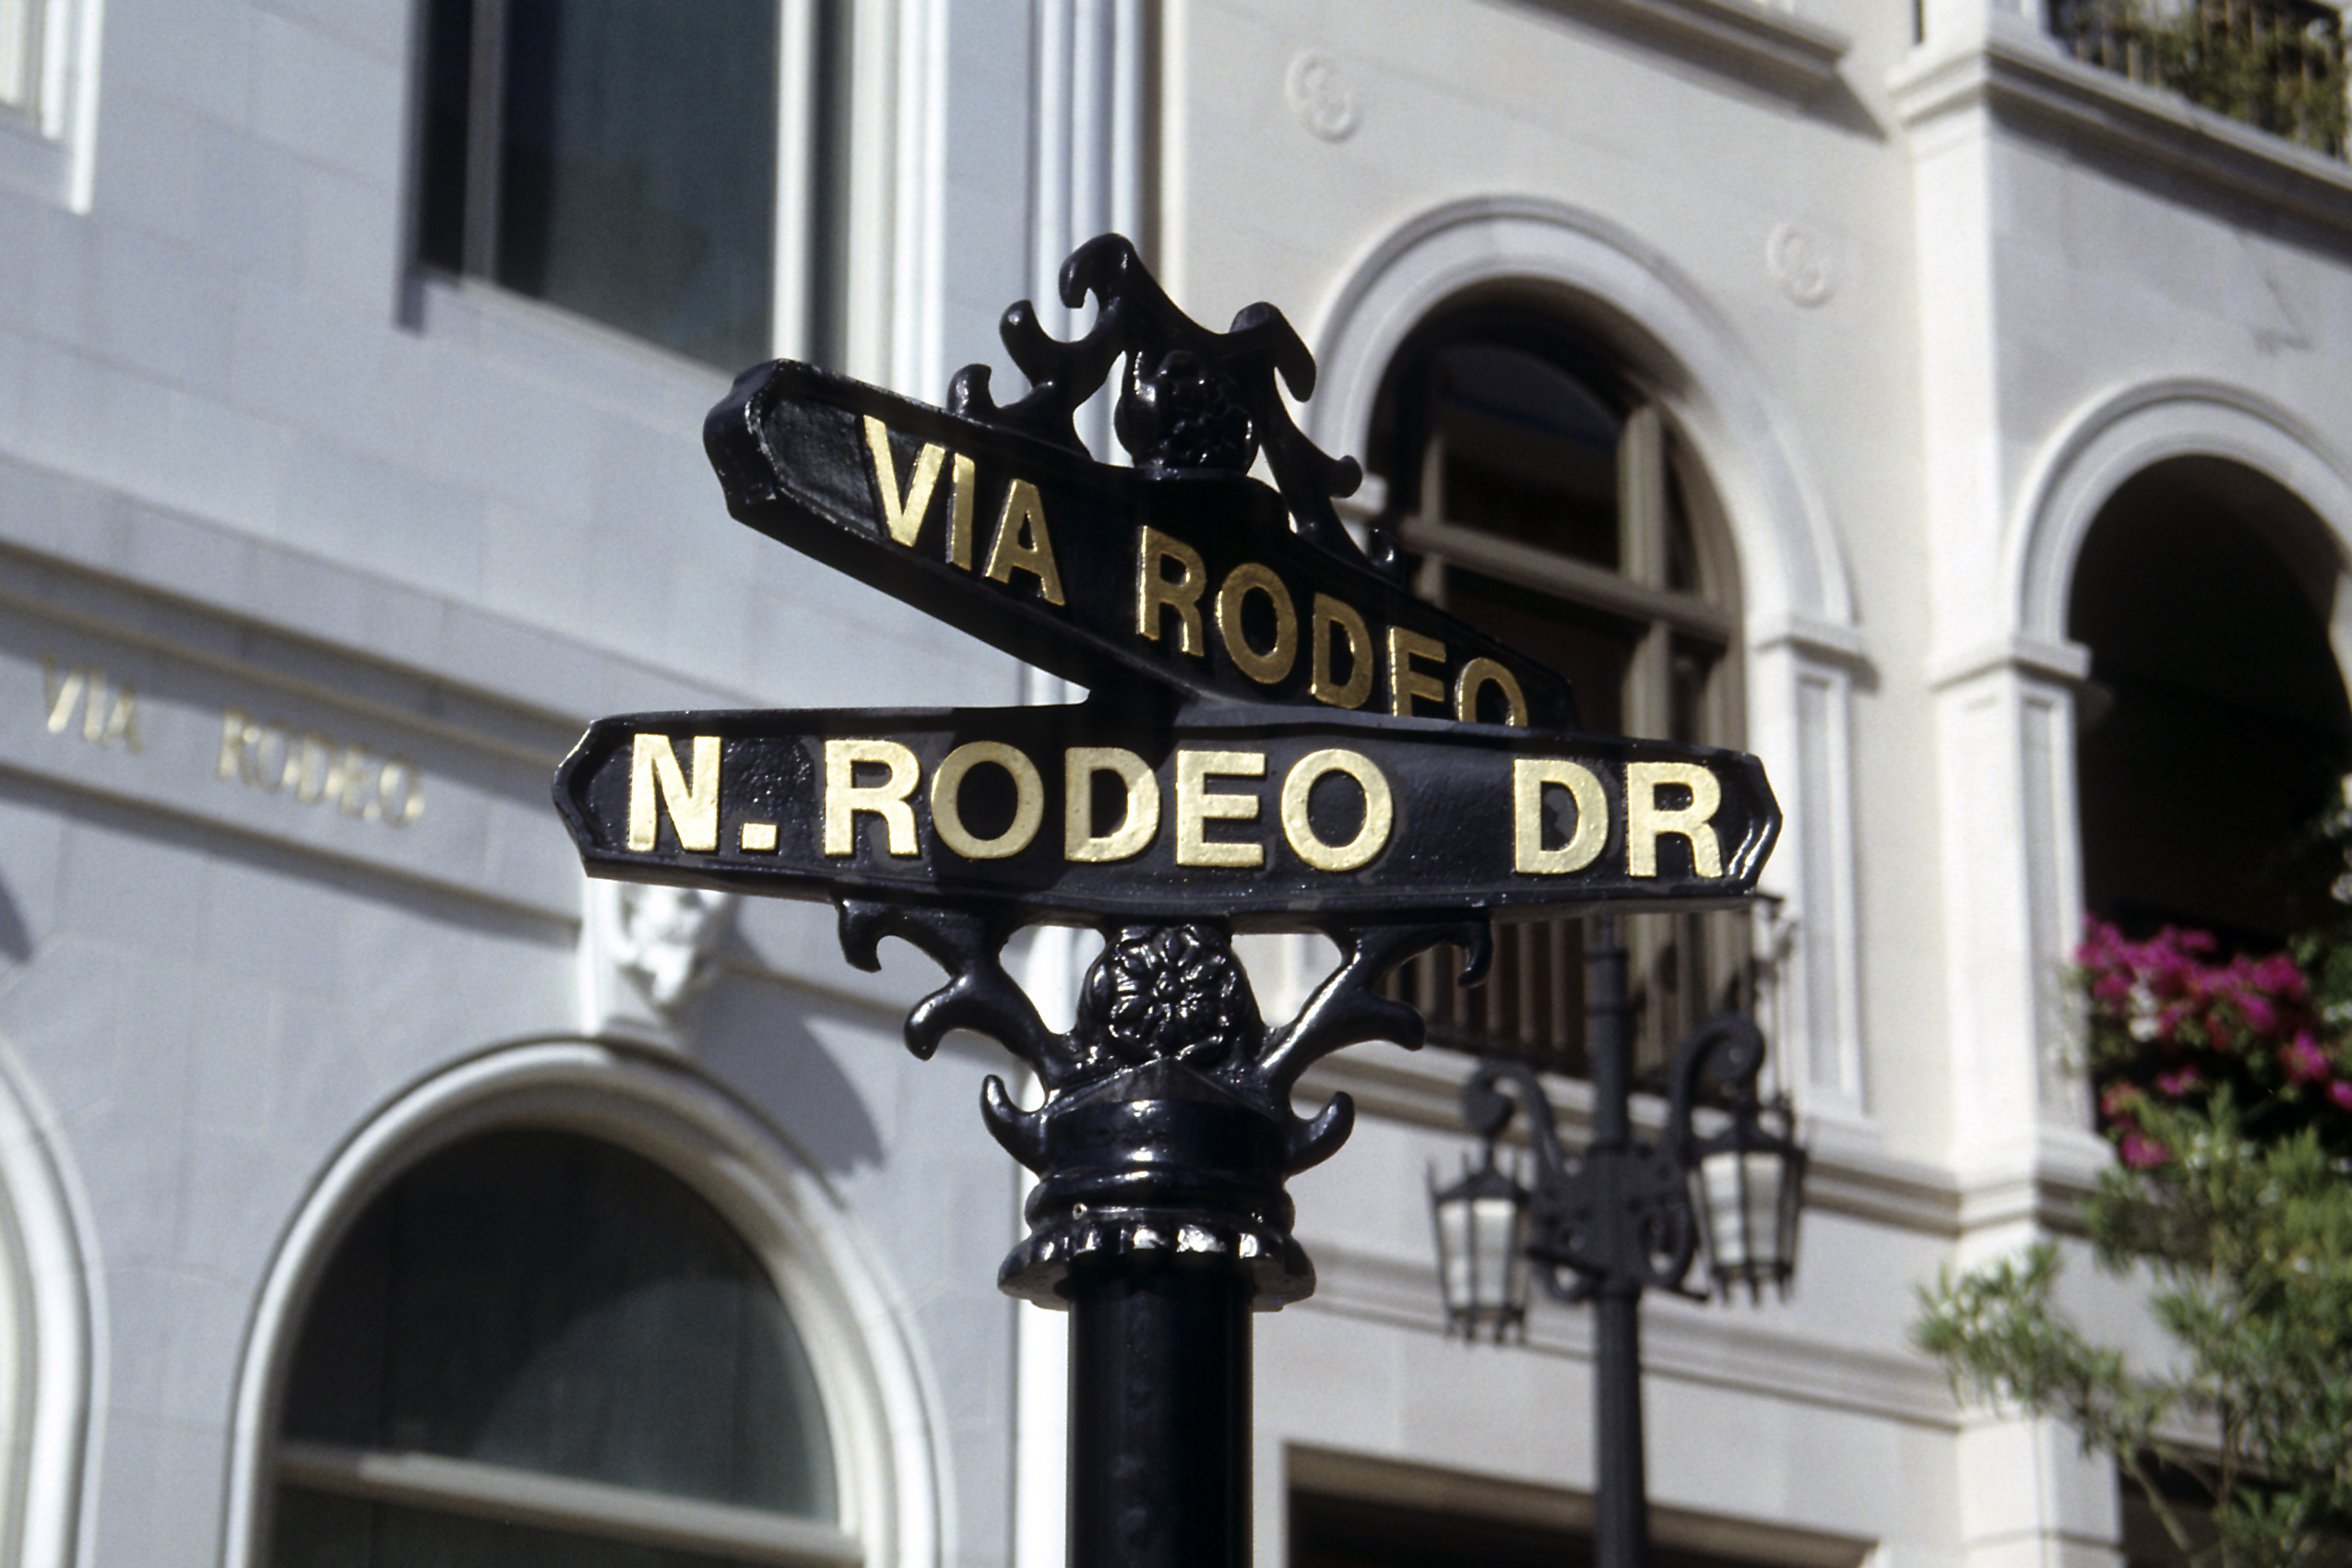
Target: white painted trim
(798, 181)
(907, 321)
(1689, 352)
(880, 86)
(50, 1441)
(50, 153)
(878, 1396)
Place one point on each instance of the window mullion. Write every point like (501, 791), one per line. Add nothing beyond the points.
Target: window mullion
(1642, 498)
(20, 60)
(485, 135)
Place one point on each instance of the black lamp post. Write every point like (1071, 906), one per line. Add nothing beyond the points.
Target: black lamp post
(1621, 1216)
(1232, 769)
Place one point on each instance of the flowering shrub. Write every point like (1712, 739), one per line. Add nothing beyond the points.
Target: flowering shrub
(2174, 1023)
(2225, 1083)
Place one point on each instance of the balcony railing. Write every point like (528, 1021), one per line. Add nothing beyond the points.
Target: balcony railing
(2276, 65)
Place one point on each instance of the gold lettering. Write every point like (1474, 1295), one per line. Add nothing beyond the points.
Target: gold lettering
(1379, 810)
(307, 766)
(1196, 806)
(845, 798)
(346, 782)
(1079, 841)
(1479, 673)
(234, 724)
(317, 768)
(1154, 592)
(655, 780)
(1405, 683)
(110, 717)
(65, 694)
(1274, 663)
(758, 837)
(1528, 777)
(1332, 615)
(1646, 820)
(400, 776)
(1022, 544)
(903, 516)
(259, 771)
(959, 523)
(946, 809)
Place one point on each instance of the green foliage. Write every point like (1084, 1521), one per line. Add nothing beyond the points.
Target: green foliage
(2247, 1243)
(2225, 1084)
(2271, 64)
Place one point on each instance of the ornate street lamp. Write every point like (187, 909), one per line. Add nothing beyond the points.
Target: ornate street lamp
(1621, 1216)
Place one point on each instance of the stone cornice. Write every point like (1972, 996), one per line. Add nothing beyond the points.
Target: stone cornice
(2020, 75)
(1773, 47)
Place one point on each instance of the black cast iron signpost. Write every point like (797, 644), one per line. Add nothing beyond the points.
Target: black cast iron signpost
(1279, 736)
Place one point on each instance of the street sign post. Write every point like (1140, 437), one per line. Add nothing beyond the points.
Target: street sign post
(1277, 736)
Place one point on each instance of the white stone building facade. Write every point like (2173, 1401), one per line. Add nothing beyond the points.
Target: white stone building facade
(326, 523)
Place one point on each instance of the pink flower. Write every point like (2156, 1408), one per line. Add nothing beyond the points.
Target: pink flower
(2304, 1061)
(2340, 1091)
(2279, 975)
(2261, 1015)
(2144, 1153)
(2179, 1082)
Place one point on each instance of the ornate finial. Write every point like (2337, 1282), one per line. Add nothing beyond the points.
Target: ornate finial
(1191, 401)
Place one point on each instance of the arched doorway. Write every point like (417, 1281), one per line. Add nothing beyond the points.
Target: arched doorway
(2215, 728)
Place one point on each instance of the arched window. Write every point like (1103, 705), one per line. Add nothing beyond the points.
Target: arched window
(1542, 494)
(536, 1347)
(2215, 729)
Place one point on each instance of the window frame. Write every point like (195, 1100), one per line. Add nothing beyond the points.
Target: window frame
(1538, 968)
(547, 1501)
(508, 1494)
(877, 1404)
(45, 139)
(818, 46)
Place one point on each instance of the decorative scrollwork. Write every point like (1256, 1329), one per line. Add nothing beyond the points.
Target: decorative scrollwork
(1612, 1217)
(1191, 401)
(1167, 1122)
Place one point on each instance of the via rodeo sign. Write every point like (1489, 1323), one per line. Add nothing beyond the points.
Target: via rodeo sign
(1277, 735)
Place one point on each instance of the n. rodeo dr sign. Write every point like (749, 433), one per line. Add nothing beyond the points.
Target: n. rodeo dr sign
(1279, 733)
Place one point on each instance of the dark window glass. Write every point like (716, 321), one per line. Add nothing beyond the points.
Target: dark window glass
(1542, 498)
(614, 158)
(2215, 729)
(545, 1302)
(1347, 1532)
(316, 1531)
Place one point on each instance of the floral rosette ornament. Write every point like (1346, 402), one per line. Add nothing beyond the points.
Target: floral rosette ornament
(1163, 992)
(2175, 1023)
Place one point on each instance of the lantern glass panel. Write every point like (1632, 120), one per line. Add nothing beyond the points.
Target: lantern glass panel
(1481, 1237)
(1739, 1193)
